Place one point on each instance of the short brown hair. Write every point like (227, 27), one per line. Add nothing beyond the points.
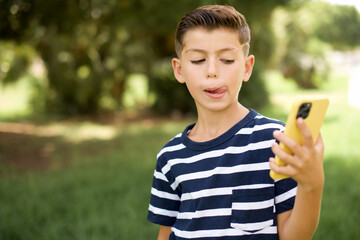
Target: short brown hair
(212, 17)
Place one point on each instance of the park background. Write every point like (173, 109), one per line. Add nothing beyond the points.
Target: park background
(88, 98)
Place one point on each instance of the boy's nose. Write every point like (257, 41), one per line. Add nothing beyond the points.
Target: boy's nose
(212, 69)
(212, 75)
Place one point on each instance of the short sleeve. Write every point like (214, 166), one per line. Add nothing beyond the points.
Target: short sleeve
(165, 202)
(285, 193)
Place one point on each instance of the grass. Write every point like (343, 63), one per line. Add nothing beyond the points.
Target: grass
(87, 180)
(101, 192)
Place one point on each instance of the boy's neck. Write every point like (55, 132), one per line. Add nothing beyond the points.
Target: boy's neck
(211, 125)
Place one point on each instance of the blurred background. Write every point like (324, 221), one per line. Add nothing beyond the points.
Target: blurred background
(88, 98)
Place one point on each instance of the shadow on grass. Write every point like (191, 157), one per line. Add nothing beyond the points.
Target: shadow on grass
(22, 153)
(340, 211)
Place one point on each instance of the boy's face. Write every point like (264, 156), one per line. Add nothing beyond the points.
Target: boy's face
(213, 66)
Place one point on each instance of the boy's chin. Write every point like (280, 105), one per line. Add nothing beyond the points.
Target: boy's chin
(216, 107)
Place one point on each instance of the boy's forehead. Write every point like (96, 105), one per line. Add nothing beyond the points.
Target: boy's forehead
(200, 40)
(204, 50)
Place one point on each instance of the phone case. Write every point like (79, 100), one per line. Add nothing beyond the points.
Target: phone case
(312, 110)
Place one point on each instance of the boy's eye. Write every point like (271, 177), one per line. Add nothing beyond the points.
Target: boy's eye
(228, 61)
(198, 61)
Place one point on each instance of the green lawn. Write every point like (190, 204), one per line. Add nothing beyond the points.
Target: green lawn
(100, 190)
(87, 180)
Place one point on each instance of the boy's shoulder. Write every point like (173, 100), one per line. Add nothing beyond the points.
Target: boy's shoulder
(261, 120)
(173, 144)
(261, 128)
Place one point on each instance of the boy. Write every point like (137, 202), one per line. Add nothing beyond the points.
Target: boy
(212, 180)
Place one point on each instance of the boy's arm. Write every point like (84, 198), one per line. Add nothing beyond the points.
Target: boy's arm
(306, 168)
(164, 233)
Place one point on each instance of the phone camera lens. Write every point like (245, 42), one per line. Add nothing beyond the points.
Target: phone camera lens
(304, 110)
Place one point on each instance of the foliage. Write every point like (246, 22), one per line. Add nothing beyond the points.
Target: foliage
(170, 95)
(338, 25)
(89, 48)
(306, 32)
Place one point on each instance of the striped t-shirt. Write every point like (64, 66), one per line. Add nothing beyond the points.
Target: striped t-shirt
(221, 189)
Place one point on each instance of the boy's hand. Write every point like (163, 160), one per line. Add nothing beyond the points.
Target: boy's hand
(305, 166)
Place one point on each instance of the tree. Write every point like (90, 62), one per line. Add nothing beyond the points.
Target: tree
(306, 31)
(89, 48)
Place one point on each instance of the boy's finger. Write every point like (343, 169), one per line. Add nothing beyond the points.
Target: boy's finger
(282, 170)
(307, 136)
(289, 142)
(320, 143)
(285, 157)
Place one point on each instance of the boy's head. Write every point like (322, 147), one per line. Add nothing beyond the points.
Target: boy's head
(212, 17)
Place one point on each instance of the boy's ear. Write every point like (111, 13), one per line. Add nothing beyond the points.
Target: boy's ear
(249, 64)
(176, 64)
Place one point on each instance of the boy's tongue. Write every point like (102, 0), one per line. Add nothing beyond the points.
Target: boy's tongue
(216, 90)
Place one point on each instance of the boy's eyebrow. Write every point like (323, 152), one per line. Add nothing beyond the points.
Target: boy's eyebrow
(204, 51)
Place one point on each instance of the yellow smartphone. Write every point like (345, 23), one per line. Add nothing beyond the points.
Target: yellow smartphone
(312, 110)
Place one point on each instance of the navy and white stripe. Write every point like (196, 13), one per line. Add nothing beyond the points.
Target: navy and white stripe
(221, 189)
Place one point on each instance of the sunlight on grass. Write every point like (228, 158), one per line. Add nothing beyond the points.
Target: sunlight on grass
(72, 132)
(86, 131)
